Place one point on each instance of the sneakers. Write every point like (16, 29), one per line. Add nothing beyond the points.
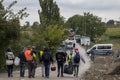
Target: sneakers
(11, 75)
(42, 75)
(29, 76)
(58, 75)
(47, 76)
(33, 76)
(62, 76)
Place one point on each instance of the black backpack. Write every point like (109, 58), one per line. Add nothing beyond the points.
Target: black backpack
(46, 56)
(60, 57)
(77, 57)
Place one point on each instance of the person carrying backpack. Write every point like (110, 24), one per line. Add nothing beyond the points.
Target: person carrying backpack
(61, 58)
(22, 63)
(76, 57)
(29, 59)
(47, 59)
(9, 61)
(34, 62)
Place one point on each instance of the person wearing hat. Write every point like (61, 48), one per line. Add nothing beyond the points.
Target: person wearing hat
(60, 58)
(76, 57)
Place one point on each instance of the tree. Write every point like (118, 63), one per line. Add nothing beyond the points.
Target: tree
(75, 22)
(9, 28)
(35, 25)
(88, 25)
(53, 36)
(49, 14)
(110, 22)
(93, 25)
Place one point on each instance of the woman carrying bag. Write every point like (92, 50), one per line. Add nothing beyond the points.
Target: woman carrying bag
(9, 61)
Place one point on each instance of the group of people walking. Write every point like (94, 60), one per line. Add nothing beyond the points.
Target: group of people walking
(29, 56)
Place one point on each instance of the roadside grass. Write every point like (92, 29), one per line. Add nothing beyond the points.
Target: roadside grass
(112, 35)
(113, 32)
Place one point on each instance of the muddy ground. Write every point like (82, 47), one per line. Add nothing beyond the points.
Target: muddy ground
(104, 68)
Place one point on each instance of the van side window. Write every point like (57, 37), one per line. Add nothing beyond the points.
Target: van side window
(104, 47)
(100, 47)
(108, 47)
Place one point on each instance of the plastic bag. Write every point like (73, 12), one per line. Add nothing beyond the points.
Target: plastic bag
(17, 61)
(68, 69)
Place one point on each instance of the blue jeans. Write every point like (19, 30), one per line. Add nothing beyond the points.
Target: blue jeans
(22, 69)
(47, 68)
(9, 70)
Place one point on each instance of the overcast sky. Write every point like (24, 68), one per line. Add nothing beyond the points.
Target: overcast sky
(106, 9)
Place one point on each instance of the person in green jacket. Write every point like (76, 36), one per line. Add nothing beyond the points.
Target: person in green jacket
(69, 58)
(41, 62)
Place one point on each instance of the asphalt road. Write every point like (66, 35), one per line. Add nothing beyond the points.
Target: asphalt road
(53, 74)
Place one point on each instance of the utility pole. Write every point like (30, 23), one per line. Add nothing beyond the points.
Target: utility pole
(84, 23)
(105, 22)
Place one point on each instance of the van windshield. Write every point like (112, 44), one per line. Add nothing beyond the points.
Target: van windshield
(70, 43)
(93, 48)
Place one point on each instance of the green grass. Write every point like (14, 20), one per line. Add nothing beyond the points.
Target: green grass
(112, 35)
(113, 32)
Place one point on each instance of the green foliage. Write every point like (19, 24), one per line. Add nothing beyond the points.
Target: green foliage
(9, 28)
(75, 22)
(94, 26)
(49, 13)
(112, 35)
(88, 24)
(113, 32)
(53, 35)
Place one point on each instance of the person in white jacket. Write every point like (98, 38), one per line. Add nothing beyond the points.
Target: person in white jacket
(76, 57)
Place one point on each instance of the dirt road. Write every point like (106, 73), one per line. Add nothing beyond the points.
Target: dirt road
(53, 75)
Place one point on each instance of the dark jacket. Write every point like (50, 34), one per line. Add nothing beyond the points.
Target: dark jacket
(60, 57)
(50, 56)
(22, 57)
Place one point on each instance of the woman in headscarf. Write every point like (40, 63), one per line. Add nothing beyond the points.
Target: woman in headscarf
(9, 61)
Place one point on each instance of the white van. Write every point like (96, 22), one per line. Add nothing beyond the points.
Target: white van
(101, 49)
(85, 40)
